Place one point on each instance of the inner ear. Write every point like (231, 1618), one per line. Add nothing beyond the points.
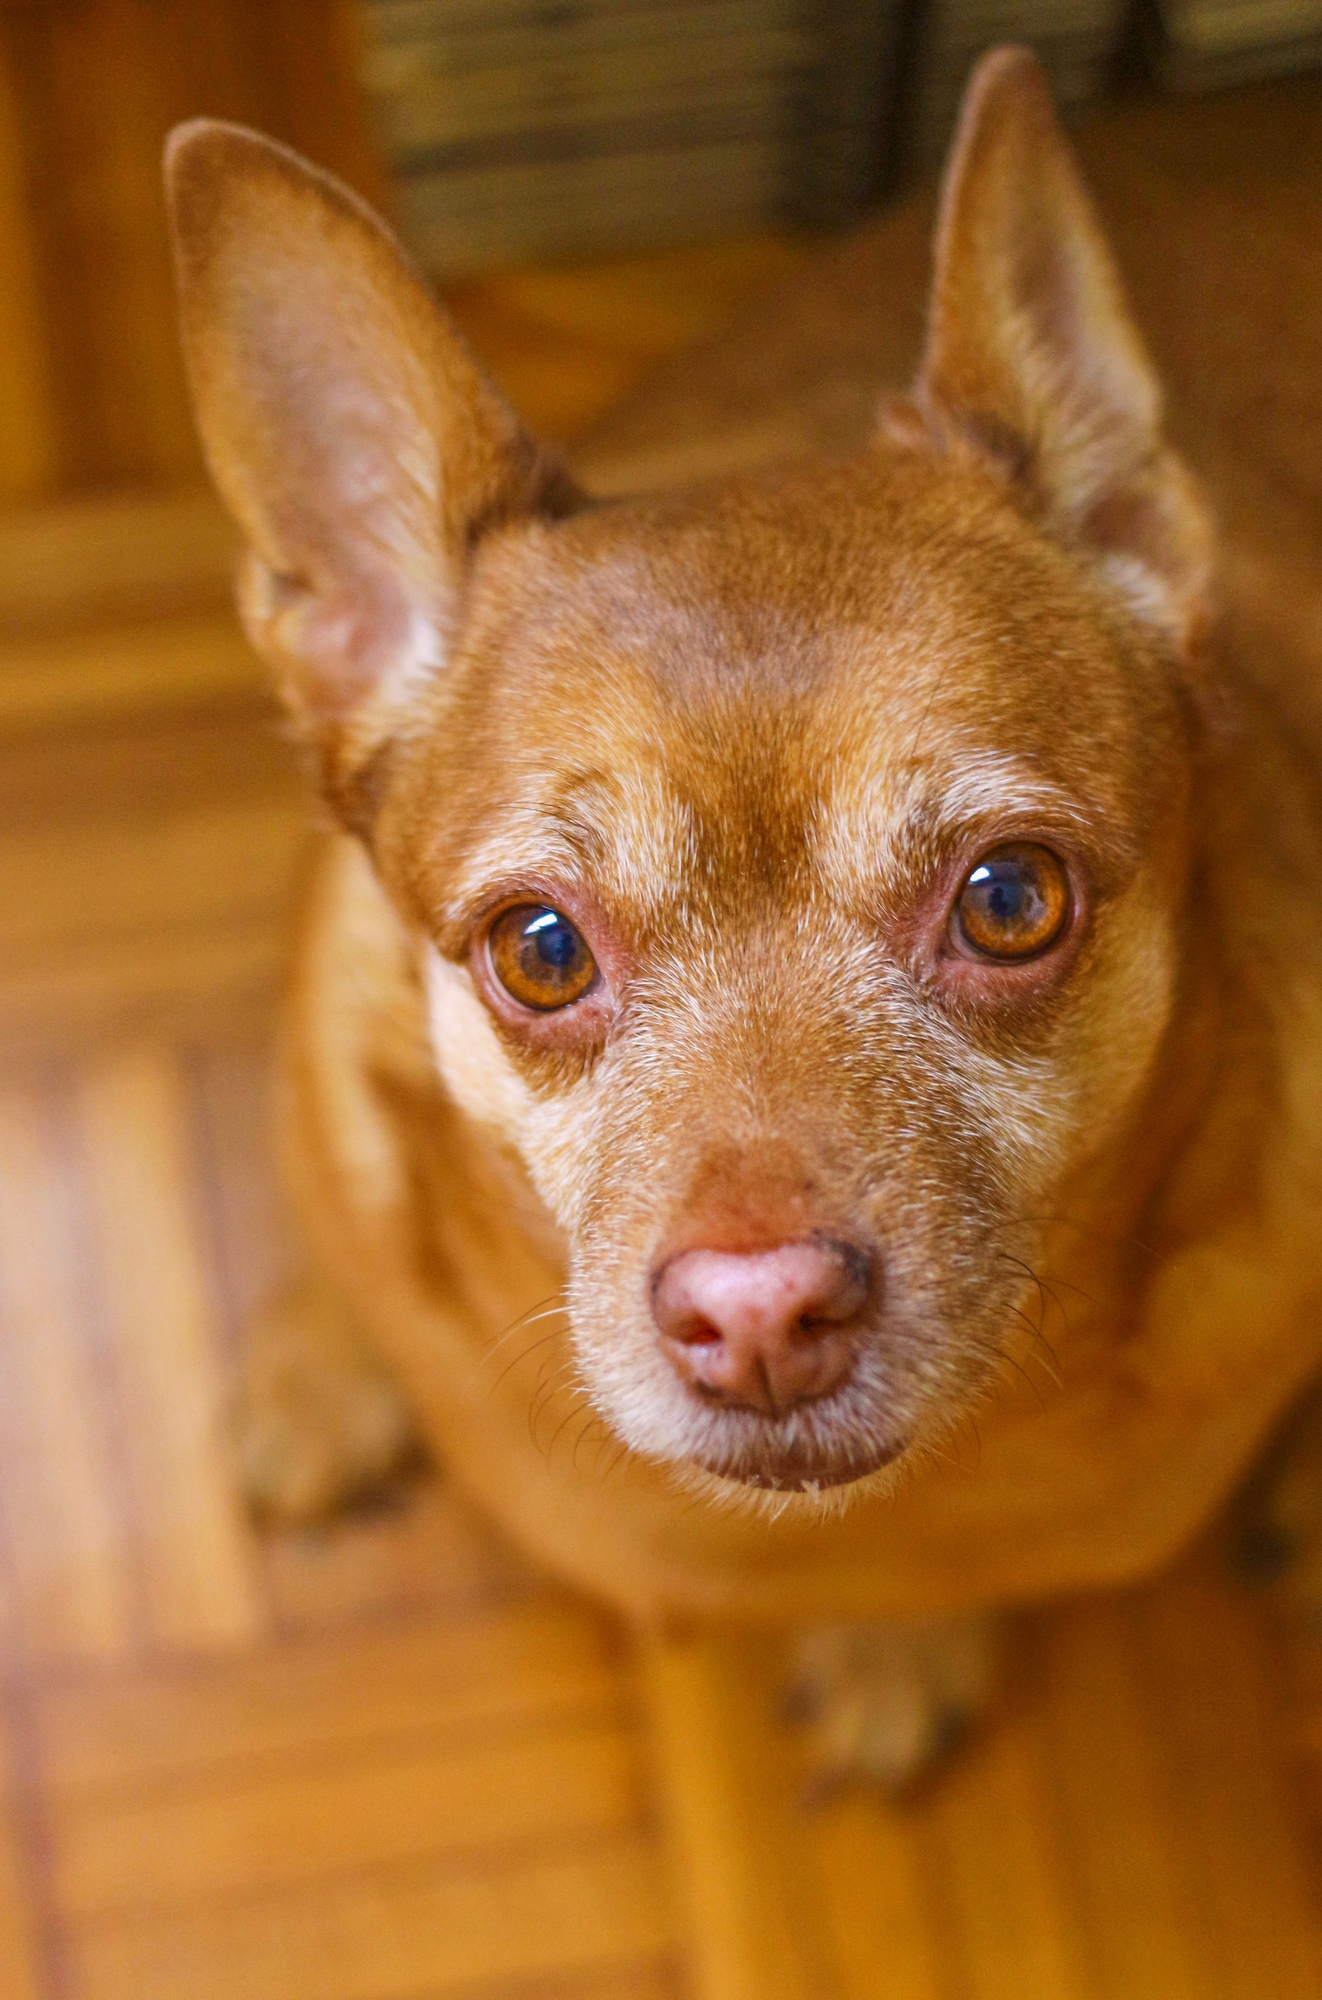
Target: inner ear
(1032, 358)
(359, 446)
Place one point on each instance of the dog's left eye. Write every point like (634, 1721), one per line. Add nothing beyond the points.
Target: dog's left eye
(1014, 903)
(540, 958)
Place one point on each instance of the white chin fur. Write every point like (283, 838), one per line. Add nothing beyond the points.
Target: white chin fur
(807, 1503)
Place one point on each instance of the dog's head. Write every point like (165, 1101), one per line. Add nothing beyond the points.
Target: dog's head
(798, 862)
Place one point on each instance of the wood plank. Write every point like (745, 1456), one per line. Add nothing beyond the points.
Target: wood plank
(131, 872)
(197, 1567)
(330, 1691)
(455, 1799)
(1145, 1938)
(67, 1537)
(653, 1979)
(566, 341)
(113, 558)
(1218, 1697)
(108, 267)
(427, 1554)
(868, 1882)
(22, 1967)
(255, 1235)
(383, 1936)
(97, 86)
(149, 766)
(109, 672)
(29, 427)
(995, 1874)
(740, 1875)
(190, 976)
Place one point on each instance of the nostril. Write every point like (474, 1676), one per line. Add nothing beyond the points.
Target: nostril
(764, 1329)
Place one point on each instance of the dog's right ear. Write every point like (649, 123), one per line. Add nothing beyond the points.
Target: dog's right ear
(350, 432)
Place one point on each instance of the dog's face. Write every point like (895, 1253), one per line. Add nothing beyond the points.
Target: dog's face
(797, 864)
(777, 838)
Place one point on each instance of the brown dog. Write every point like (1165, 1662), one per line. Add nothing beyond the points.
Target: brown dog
(815, 962)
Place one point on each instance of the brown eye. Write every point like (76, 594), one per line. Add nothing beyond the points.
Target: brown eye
(1014, 903)
(540, 958)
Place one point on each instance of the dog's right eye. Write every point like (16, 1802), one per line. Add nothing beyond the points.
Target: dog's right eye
(1014, 903)
(540, 958)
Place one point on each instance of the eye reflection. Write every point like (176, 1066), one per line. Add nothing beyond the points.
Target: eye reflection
(1014, 903)
(540, 958)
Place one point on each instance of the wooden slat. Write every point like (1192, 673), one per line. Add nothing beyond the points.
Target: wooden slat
(382, 1937)
(255, 1232)
(107, 271)
(190, 974)
(96, 86)
(1004, 1912)
(875, 1909)
(646, 1980)
(432, 1554)
(197, 1571)
(29, 426)
(1100, 1718)
(109, 559)
(67, 1537)
(151, 768)
(310, 1697)
(143, 873)
(22, 1972)
(533, 1789)
(102, 675)
(740, 1871)
(566, 342)
(1235, 1829)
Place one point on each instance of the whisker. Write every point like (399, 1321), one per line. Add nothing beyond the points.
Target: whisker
(1053, 1372)
(542, 1391)
(567, 1419)
(547, 1389)
(544, 1309)
(551, 1300)
(588, 1421)
(1043, 1291)
(532, 1347)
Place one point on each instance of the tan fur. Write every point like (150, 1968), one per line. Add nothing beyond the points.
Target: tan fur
(750, 736)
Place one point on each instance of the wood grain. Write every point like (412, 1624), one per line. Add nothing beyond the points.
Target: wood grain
(567, 1913)
(161, 1328)
(736, 1852)
(24, 1964)
(88, 92)
(66, 1537)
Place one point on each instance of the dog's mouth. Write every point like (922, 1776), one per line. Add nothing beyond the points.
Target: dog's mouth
(800, 1472)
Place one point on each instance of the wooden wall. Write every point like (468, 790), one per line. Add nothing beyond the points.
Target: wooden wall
(91, 389)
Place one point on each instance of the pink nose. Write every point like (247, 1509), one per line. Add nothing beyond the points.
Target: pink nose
(765, 1329)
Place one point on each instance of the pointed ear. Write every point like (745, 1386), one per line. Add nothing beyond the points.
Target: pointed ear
(350, 432)
(1033, 359)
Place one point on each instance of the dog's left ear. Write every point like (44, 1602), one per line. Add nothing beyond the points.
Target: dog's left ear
(1033, 359)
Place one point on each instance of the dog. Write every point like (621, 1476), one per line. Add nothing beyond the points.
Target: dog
(803, 1064)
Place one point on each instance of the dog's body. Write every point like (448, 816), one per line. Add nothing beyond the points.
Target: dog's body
(740, 734)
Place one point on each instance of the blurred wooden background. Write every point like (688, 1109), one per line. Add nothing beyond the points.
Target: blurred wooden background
(92, 393)
(386, 1763)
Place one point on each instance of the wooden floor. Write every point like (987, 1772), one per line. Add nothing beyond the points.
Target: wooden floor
(387, 1762)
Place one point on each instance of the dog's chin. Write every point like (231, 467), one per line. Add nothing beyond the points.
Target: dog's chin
(799, 1473)
(792, 1493)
